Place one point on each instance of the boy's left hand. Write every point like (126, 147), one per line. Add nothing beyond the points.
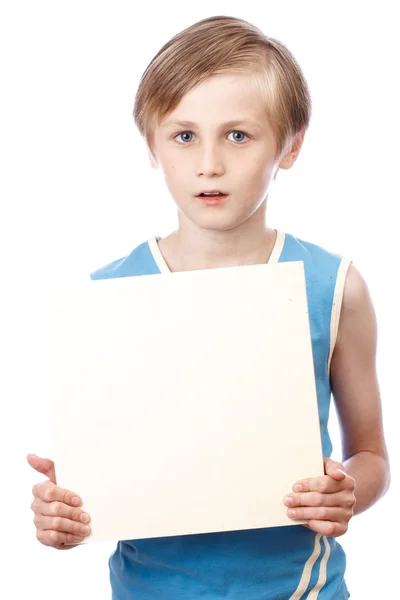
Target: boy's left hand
(326, 502)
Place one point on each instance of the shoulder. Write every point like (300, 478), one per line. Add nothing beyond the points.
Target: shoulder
(139, 262)
(323, 268)
(308, 251)
(357, 308)
(356, 292)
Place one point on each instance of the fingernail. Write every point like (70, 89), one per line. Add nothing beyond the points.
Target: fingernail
(75, 501)
(291, 513)
(288, 500)
(84, 518)
(298, 487)
(85, 529)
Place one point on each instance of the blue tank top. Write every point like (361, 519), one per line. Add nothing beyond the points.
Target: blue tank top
(279, 563)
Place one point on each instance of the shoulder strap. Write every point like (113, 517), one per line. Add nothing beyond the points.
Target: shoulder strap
(337, 305)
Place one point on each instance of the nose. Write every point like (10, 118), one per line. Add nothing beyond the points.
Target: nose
(210, 161)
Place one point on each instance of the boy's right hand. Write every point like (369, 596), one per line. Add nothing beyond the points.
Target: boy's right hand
(59, 521)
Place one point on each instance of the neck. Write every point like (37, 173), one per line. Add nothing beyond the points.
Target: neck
(192, 248)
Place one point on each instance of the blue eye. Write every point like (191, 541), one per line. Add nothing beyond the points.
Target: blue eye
(240, 134)
(184, 136)
(184, 133)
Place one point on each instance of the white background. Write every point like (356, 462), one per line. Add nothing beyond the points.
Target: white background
(77, 192)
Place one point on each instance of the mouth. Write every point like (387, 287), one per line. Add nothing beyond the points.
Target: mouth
(212, 193)
(212, 198)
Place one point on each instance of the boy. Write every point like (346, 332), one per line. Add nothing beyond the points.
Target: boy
(222, 108)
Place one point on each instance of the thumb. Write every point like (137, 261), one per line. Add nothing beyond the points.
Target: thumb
(334, 469)
(42, 465)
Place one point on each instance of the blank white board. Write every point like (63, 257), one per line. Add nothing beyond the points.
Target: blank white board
(186, 402)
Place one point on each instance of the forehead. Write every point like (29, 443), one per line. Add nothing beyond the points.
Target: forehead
(229, 97)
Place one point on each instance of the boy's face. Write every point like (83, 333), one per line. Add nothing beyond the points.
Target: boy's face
(224, 143)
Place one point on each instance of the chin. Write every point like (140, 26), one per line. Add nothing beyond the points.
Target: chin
(220, 222)
(217, 218)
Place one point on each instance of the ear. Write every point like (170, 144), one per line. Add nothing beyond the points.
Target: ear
(152, 158)
(290, 155)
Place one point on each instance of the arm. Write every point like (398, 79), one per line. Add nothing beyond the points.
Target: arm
(328, 503)
(356, 392)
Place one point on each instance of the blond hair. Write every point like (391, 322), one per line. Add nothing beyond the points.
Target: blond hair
(219, 45)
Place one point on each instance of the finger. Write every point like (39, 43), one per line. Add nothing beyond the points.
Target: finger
(42, 465)
(323, 484)
(320, 513)
(57, 539)
(328, 528)
(338, 499)
(59, 509)
(334, 469)
(61, 525)
(50, 492)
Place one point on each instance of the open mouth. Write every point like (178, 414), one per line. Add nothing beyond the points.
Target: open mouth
(211, 195)
(212, 199)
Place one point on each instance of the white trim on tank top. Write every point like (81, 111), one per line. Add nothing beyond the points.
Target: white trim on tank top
(337, 306)
(163, 267)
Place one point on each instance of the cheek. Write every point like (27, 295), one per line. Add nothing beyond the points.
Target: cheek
(171, 163)
(174, 177)
(169, 169)
(178, 173)
(258, 173)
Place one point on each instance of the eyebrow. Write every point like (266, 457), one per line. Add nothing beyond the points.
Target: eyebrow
(236, 123)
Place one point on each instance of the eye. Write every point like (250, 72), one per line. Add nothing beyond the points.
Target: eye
(238, 134)
(184, 133)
